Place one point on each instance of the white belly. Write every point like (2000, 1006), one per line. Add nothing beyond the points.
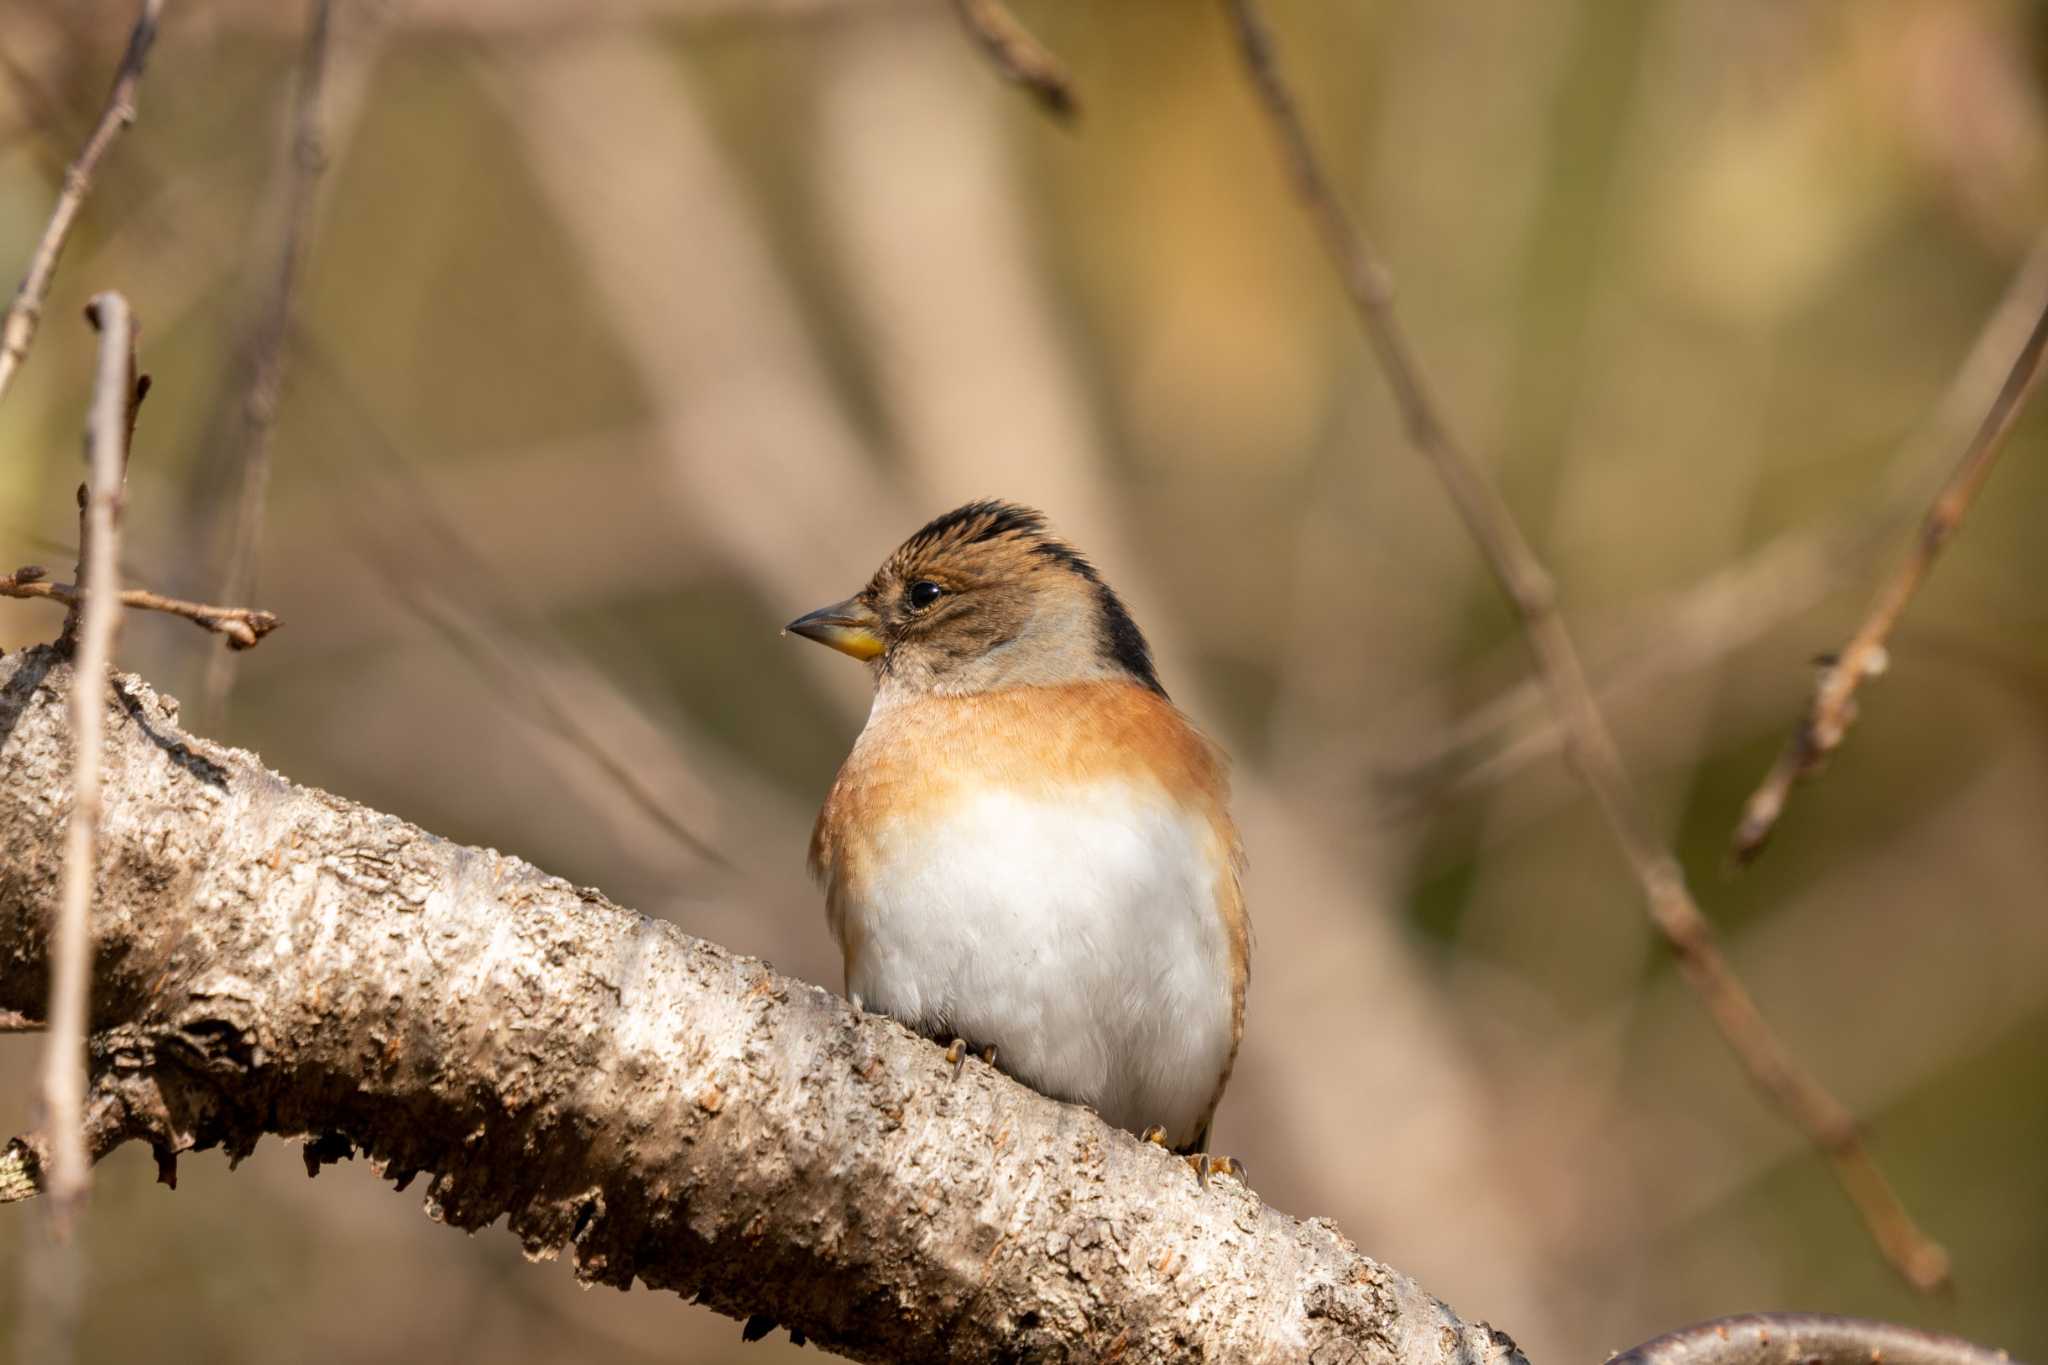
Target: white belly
(1081, 937)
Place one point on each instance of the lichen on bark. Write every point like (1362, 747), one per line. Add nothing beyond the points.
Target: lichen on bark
(273, 959)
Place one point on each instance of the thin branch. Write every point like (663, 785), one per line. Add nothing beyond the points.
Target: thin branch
(1833, 708)
(18, 330)
(1806, 1339)
(270, 343)
(521, 668)
(508, 666)
(241, 627)
(138, 389)
(1019, 56)
(1737, 605)
(607, 1087)
(1588, 743)
(70, 976)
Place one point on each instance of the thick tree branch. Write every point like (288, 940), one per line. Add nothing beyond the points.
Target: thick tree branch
(273, 959)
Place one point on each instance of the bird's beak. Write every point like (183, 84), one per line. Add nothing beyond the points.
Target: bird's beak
(849, 627)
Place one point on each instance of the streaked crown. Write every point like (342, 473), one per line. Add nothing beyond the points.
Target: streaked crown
(982, 597)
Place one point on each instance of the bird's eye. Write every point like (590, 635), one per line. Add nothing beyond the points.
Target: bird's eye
(924, 592)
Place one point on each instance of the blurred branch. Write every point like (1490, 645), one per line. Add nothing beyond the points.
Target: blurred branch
(521, 670)
(1588, 742)
(18, 330)
(1019, 56)
(1806, 1339)
(551, 20)
(1736, 605)
(267, 353)
(242, 627)
(1833, 708)
(274, 959)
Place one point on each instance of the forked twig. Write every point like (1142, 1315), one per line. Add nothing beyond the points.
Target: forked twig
(1588, 743)
(241, 627)
(18, 330)
(1018, 55)
(1833, 708)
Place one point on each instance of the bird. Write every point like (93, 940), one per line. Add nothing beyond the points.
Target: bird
(1029, 851)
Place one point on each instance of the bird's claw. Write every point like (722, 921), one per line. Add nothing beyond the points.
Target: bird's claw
(1205, 1165)
(957, 1053)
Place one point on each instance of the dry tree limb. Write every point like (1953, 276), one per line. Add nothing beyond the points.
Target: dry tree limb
(1806, 1339)
(1833, 708)
(275, 959)
(1019, 56)
(270, 342)
(18, 330)
(240, 627)
(1589, 744)
(64, 1063)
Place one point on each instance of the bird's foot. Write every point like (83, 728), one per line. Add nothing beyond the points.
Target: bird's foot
(956, 1055)
(1203, 1164)
(1207, 1164)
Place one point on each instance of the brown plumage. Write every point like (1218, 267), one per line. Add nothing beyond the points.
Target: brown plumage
(1029, 845)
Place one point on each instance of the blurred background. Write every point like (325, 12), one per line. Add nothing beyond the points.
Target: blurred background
(615, 335)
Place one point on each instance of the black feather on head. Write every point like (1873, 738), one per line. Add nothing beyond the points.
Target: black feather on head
(991, 518)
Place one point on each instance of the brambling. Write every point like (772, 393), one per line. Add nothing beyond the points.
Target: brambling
(1030, 847)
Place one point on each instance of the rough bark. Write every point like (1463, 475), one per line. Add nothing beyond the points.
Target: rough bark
(273, 959)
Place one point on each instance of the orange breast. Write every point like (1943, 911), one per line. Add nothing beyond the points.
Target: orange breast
(1029, 739)
(1032, 740)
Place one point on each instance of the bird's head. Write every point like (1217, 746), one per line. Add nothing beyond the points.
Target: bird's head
(981, 598)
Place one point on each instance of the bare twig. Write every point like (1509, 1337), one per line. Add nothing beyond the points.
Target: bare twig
(522, 669)
(1833, 708)
(70, 974)
(507, 665)
(1806, 1339)
(270, 343)
(1737, 605)
(138, 389)
(1588, 743)
(241, 627)
(1018, 55)
(19, 328)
